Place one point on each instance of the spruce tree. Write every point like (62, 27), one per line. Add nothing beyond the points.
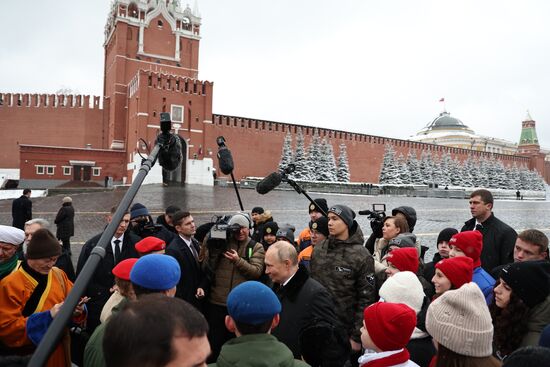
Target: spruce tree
(314, 152)
(404, 174)
(286, 155)
(426, 167)
(414, 168)
(343, 165)
(300, 159)
(387, 171)
(328, 170)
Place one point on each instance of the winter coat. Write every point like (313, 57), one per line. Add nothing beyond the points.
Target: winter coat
(485, 282)
(429, 268)
(304, 301)
(162, 221)
(21, 211)
(258, 233)
(539, 317)
(256, 350)
(346, 269)
(227, 275)
(65, 221)
(499, 240)
(98, 289)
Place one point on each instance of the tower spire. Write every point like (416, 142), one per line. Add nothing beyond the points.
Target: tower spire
(528, 141)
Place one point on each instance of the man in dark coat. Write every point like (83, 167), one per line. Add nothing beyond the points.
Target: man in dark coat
(304, 300)
(498, 237)
(65, 224)
(165, 219)
(21, 210)
(122, 246)
(142, 225)
(185, 249)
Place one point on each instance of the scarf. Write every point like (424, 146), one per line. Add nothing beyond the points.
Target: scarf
(384, 359)
(7, 267)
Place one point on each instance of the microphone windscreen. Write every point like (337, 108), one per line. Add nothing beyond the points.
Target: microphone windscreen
(225, 160)
(170, 155)
(269, 183)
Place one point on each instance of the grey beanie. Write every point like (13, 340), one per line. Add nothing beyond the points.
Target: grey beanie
(460, 320)
(344, 212)
(241, 219)
(403, 240)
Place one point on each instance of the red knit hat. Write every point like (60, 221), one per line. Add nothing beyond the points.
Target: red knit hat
(123, 268)
(390, 325)
(150, 244)
(459, 270)
(404, 259)
(471, 243)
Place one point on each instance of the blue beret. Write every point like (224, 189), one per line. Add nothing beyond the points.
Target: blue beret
(156, 272)
(252, 303)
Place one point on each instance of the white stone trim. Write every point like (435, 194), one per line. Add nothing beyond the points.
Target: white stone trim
(196, 131)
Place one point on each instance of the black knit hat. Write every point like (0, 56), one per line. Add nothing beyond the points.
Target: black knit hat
(258, 210)
(270, 228)
(529, 280)
(344, 212)
(42, 245)
(445, 235)
(172, 209)
(319, 204)
(409, 213)
(286, 233)
(320, 225)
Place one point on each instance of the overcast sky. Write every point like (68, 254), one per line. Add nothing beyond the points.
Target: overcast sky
(375, 67)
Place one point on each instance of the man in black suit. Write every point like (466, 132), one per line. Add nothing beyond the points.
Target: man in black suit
(122, 247)
(21, 210)
(185, 249)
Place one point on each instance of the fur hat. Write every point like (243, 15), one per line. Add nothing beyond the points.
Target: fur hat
(150, 244)
(404, 259)
(156, 272)
(345, 213)
(13, 236)
(460, 320)
(138, 210)
(403, 287)
(528, 280)
(445, 235)
(67, 199)
(42, 245)
(317, 204)
(471, 243)
(123, 268)
(270, 228)
(320, 225)
(390, 325)
(458, 270)
(242, 219)
(252, 303)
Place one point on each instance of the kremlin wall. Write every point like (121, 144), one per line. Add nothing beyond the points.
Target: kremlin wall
(151, 66)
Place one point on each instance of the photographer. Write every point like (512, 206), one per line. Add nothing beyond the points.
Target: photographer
(143, 226)
(232, 261)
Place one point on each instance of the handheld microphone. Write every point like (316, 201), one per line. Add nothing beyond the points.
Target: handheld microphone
(225, 158)
(170, 155)
(269, 183)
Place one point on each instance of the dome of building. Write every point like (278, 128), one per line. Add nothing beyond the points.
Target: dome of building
(445, 122)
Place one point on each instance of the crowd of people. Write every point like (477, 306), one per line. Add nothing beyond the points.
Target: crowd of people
(248, 290)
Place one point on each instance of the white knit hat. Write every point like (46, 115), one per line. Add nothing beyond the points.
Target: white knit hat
(460, 320)
(403, 287)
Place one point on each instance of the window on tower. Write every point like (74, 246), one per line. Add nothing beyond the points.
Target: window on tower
(159, 23)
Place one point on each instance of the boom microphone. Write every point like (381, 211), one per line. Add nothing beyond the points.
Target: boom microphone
(269, 183)
(170, 154)
(225, 158)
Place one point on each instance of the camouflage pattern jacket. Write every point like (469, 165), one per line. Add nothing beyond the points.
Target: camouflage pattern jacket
(346, 269)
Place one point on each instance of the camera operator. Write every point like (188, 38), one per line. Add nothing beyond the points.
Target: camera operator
(232, 261)
(405, 212)
(141, 224)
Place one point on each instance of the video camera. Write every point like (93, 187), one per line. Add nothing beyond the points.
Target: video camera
(376, 217)
(221, 228)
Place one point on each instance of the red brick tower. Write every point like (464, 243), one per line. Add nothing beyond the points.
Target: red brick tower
(151, 66)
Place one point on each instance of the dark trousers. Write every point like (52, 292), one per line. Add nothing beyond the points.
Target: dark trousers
(217, 333)
(66, 244)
